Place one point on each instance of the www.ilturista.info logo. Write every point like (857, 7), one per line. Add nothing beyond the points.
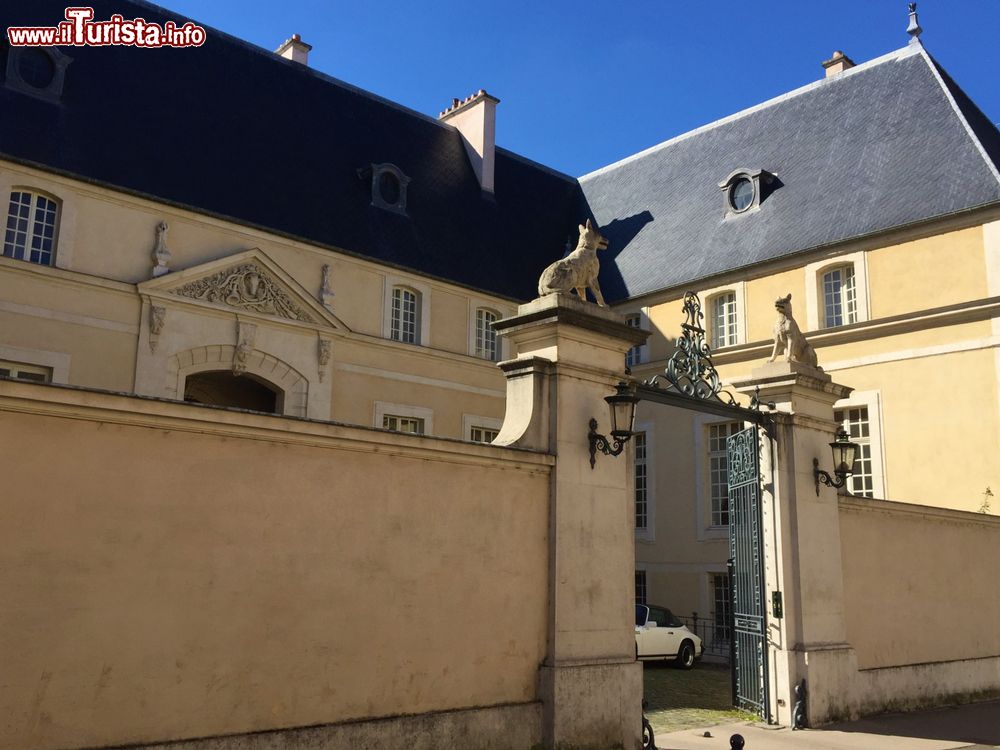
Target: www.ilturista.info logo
(80, 29)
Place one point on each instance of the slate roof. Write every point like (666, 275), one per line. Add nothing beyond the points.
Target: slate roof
(886, 144)
(233, 130)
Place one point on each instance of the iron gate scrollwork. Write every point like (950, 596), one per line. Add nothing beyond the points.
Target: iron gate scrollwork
(749, 632)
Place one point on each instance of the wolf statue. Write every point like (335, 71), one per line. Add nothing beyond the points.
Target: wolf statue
(579, 269)
(788, 339)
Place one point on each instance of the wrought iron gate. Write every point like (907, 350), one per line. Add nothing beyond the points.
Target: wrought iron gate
(749, 633)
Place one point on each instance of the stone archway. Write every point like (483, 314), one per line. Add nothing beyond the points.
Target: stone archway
(285, 380)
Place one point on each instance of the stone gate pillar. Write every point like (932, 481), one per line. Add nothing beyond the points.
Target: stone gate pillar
(570, 355)
(802, 544)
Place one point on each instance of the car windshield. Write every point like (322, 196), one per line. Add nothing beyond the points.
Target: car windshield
(640, 614)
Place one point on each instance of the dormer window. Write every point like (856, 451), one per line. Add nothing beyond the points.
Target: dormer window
(745, 189)
(389, 187)
(39, 71)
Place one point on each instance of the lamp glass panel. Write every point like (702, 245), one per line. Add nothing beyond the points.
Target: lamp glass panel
(843, 457)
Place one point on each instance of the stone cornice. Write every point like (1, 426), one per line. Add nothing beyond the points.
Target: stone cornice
(891, 507)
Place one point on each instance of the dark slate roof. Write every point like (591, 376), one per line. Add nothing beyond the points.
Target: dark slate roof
(233, 130)
(886, 144)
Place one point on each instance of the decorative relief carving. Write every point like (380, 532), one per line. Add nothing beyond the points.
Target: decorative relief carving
(246, 333)
(246, 287)
(161, 255)
(157, 317)
(325, 293)
(323, 356)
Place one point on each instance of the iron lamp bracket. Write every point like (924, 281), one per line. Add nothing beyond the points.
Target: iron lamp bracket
(599, 442)
(823, 478)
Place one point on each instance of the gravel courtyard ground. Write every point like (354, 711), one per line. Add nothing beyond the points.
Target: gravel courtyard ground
(678, 699)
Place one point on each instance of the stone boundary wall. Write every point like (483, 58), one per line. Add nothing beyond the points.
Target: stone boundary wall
(174, 572)
(922, 610)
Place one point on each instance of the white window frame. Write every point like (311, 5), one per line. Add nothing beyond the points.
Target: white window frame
(641, 574)
(710, 319)
(18, 367)
(708, 296)
(706, 531)
(382, 408)
(872, 400)
(639, 354)
(66, 219)
(423, 308)
(815, 301)
(648, 534)
(34, 195)
(57, 362)
(474, 420)
(481, 303)
(476, 352)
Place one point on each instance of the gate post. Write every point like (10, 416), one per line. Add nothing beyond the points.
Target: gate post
(802, 549)
(570, 355)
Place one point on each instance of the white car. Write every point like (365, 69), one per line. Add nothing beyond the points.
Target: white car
(660, 635)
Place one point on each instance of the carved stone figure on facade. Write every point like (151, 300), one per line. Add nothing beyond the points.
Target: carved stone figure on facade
(323, 356)
(325, 293)
(248, 287)
(161, 256)
(579, 269)
(246, 333)
(788, 338)
(157, 317)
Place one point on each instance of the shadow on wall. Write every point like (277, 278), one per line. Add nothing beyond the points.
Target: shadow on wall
(974, 723)
(620, 233)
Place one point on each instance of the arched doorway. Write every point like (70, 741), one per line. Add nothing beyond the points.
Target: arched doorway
(222, 388)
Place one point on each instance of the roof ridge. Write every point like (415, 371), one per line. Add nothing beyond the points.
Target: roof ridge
(898, 54)
(937, 72)
(531, 162)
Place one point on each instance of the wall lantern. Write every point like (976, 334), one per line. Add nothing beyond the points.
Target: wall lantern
(622, 406)
(844, 453)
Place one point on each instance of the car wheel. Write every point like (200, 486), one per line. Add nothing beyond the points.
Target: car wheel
(685, 657)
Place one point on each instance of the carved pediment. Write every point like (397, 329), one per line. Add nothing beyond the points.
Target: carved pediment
(246, 287)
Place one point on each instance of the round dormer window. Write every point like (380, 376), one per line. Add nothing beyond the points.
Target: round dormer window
(388, 188)
(741, 194)
(35, 68)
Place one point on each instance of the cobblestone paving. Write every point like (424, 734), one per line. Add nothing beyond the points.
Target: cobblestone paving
(678, 699)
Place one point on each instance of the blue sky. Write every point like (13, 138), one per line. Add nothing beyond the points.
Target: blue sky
(585, 83)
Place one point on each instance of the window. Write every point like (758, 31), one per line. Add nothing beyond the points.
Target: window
(718, 470)
(722, 612)
(486, 344)
(21, 371)
(479, 434)
(405, 315)
(857, 425)
(38, 71)
(746, 189)
(840, 299)
(634, 355)
(724, 328)
(414, 425)
(31, 227)
(641, 488)
(640, 587)
(741, 194)
(388, 186)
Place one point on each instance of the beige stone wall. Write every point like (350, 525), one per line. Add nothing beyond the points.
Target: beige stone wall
(174, 572)
(919, 584)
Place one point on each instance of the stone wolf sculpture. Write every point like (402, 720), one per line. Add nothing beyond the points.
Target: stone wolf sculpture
(579, 269)
(788, 339)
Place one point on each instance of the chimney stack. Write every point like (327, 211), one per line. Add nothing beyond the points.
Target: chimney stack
(475, 117)
(837, 64)
(294, 49)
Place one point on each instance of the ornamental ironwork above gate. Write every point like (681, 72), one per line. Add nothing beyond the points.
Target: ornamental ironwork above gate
(692, 382)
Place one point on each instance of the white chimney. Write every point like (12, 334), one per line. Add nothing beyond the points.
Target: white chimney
(295, 49)
(838, 63)
(476, 119)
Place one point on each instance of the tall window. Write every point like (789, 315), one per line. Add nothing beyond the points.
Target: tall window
(641, 482)
(724, 320)
(413, 425)
(487, 346)
(22, 371)
(640, 587)
(723, 597)
(718, 470)
(482, 434)
(405, 315)
(31, 228)
(856, 424)
(840, 298)
(634, 355)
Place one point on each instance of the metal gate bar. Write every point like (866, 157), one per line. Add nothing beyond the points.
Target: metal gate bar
(750, 663)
